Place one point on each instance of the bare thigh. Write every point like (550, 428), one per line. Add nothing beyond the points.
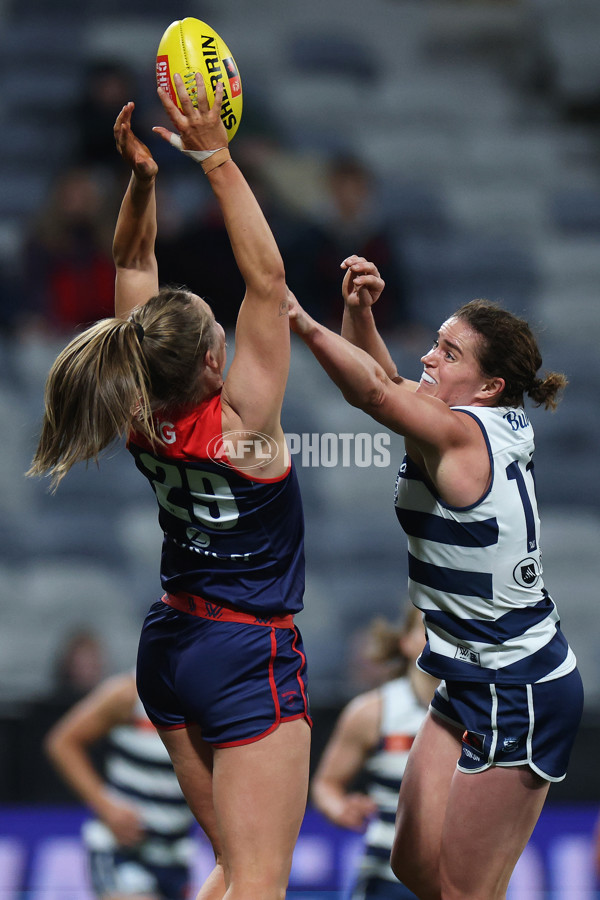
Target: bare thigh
(192, 760)
(260, 792)
(489, 819)
(422, 807)
(459, 836)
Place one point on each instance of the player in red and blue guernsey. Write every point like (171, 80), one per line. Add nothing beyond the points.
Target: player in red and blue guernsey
(221, 666)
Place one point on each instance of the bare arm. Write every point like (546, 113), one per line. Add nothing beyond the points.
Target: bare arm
(361, 288)
(354, 737)
(361, 379)
(135, 232)
(67, 745)
(255, 384)
(446, 444)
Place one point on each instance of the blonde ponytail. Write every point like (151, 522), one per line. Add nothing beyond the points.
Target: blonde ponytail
(97, 389)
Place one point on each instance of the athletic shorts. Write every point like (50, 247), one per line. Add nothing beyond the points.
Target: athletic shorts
(121, 873)
(514, 724)
(234, 675)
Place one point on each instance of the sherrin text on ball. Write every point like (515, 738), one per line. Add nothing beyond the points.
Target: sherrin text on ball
(189, 46)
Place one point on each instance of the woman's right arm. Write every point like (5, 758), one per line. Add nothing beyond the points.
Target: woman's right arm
(354, 737)
(67, 745)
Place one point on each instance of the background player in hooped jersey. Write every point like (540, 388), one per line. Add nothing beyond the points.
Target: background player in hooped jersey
(139, 846)
(373, 736)
(221, 669)
(511, 698)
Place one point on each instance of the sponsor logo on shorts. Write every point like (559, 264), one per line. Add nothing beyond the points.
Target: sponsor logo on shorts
(474, 756)
(474, 739)
(212, 610)
(510, 744)
(473, 745)
(466, 654)
(527, 573)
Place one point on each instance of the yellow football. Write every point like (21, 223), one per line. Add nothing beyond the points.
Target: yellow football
(189, 46)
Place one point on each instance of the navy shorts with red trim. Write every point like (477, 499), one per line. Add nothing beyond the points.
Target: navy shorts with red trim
(514, 724)
(236, 679)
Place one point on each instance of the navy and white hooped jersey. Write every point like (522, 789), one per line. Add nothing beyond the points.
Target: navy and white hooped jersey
(138, 771)
(402, 715)
(475, 572)
(229, 537)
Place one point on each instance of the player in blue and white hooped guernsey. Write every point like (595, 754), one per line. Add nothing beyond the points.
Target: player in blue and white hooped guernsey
(502, 723)
(221, 668)
(139, 842)
(373, 737)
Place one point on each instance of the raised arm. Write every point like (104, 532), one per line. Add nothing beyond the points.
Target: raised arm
(68, 742)
(255, 384)
(447, 444)
(361, 288)
(135, 232)
(361, 379)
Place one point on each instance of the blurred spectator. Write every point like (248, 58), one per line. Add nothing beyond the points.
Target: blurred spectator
(187, 234)
(349, 221)
(108, 86)
(69, 272)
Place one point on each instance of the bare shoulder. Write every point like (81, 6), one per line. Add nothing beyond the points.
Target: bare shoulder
(362, 717)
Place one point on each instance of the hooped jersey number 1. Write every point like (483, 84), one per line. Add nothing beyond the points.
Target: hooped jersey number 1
(211, 498)
(514, 473)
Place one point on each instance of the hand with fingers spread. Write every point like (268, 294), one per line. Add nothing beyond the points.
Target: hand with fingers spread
(131, 148)
(362, 284)
(198, 128)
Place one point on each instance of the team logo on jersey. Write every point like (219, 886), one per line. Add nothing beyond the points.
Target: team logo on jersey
(468, 655)
(242, 449)
(527, 572)
(167, 432)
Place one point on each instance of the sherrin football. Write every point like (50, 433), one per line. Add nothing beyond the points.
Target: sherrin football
(189, 46)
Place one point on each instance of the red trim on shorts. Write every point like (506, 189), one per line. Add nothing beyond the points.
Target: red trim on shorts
(274, 693)
(170, 727)
(300, 682)
(219, 612)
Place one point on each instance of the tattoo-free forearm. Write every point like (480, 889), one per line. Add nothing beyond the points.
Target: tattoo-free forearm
(135, 231)
(359, 328)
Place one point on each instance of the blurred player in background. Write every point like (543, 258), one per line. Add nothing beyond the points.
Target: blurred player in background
(139, 845)
(373, 737)
(502, 723)
(221, 667)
